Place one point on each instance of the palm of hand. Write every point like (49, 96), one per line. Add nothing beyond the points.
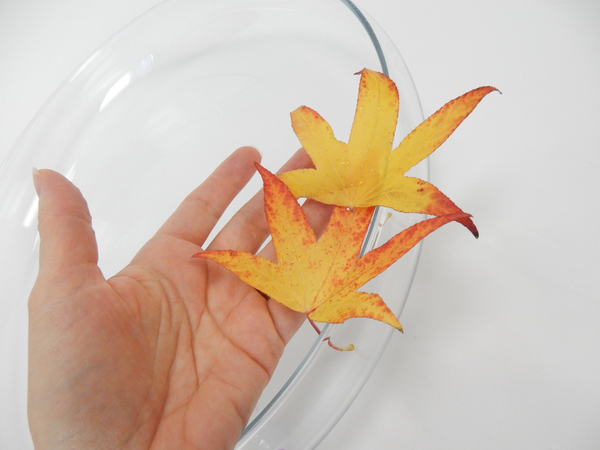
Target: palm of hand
(172, 352)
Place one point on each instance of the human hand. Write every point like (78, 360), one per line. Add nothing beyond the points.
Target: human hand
(173, 352)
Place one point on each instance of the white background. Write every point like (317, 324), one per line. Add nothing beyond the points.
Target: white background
(502, 335)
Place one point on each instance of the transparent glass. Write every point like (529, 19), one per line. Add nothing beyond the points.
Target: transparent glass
(148, 116)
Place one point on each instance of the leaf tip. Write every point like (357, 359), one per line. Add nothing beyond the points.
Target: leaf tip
(468, 223)
(492, 89)
(479, 93)
(266, 175)
(258, 167)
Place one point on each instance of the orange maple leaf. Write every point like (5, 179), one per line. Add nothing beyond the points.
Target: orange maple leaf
(320, 277)
(365, 171)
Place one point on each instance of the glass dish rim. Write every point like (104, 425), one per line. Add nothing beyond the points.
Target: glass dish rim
(328, 329)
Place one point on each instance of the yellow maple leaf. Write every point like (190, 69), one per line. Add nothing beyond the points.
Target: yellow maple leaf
(320, 277)
(365, 171)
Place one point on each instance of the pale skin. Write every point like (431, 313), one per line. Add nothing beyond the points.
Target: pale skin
(173, 352)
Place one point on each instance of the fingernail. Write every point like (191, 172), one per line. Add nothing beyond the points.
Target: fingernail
(36, 180)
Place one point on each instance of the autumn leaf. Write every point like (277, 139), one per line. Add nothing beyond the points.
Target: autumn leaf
(365, 171)
(320, 277)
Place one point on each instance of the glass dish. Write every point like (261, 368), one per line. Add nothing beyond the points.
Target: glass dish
(149, 115)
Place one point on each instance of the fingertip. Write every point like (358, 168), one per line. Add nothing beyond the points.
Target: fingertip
(64, 222)
(58, 195)
(259, 153)
(41, 177)
(251, 152)
(37, 182)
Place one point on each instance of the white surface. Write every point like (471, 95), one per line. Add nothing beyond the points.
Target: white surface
(502, 335)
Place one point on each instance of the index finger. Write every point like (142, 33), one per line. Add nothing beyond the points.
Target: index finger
(248, 227)
(199, 212)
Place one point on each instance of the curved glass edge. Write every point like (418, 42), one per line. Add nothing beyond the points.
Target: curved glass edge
(370, 32)
(61, 86)
(264, 424)
(311, 359)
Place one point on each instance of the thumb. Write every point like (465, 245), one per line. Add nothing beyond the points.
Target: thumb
(67, 240)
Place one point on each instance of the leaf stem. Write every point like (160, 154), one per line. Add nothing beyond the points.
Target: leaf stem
(348, 348)
(314, 325)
